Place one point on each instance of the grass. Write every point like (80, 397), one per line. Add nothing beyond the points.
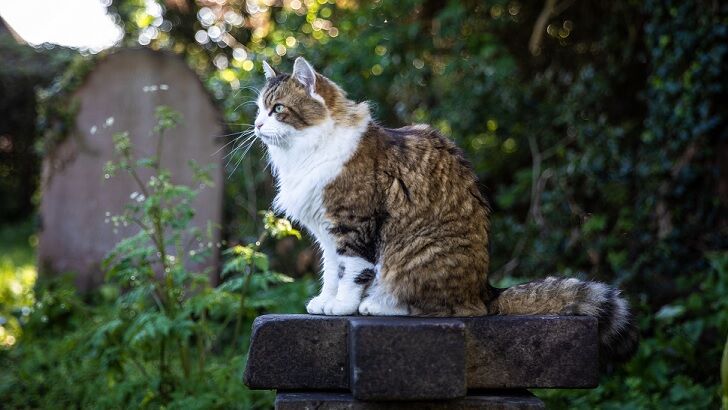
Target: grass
(18, 274)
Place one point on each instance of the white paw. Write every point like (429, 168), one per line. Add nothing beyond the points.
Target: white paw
(316, 305)
(336, 307)
(372, 306)
(369, 307)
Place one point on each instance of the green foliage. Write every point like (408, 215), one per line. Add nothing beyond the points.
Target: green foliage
(22, 71)
(57, 107)
(724, 375)
(157, 334)
(669, 369)
(17, 277)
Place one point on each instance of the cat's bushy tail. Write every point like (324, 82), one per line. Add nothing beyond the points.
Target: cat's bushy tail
(618, 333)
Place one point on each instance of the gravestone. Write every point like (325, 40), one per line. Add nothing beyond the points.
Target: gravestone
(121, 94)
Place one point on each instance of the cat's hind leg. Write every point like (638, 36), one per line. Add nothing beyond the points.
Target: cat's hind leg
(379, 302)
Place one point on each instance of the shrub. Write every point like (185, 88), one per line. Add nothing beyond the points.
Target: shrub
(157, 334)
(677, 364)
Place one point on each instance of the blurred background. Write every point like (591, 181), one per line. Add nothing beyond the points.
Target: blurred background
(597, 129)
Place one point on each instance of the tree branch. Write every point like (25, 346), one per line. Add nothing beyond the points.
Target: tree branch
(550, 9)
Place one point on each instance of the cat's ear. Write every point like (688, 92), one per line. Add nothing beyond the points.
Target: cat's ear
(304, 74)
(269, 71)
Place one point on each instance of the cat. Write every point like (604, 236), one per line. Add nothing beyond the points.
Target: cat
(397, 213)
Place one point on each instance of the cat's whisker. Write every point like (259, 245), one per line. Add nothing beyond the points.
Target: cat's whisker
(241, 89)
(231, 141)
(237, 92)
(237, 133)
(250, 145)
(223, 147)
(250, 87)
(238, 146)
(239, 123)
(232, 133)
(246, 145)
(242, 157)
(245, 103)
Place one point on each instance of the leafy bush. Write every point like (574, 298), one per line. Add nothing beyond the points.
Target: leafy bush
(157, 334)
(17, 277)
(669, 370)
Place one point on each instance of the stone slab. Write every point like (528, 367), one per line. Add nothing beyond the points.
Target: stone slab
(344, 401)
(407, 358)
(298, 352)
(502, 352)
(532, 351)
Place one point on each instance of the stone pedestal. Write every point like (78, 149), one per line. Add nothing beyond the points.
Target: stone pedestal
(425, 363)
(485, 400)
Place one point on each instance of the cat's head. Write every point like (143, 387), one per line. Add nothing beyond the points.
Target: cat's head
(303, 108)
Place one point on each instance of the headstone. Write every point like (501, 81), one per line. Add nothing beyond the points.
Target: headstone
(121, 94)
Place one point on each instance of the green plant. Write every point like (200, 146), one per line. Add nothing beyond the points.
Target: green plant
(17, 277)
(679, 342)
(724, 375)
(157, 334)
(151, 267)
(165, 305)
(57, 106)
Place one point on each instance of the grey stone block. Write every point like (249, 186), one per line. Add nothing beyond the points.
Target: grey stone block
(76, 199)
(532, 352)
(313, 353)
(407, 358)
(344, 401)
(298, 352)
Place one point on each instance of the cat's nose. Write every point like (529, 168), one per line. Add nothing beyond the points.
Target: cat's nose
(258, 124)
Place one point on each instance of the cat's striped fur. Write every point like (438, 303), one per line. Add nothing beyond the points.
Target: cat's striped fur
(402, 225)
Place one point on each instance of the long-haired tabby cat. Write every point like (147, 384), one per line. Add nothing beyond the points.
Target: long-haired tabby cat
(398, 215)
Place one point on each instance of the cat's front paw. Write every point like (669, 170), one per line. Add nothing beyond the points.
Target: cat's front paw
(316, 305)
(336, 307)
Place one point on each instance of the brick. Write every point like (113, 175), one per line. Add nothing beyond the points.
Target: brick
(298, 352)
(340, 401)
(532, 352)
(407, 358)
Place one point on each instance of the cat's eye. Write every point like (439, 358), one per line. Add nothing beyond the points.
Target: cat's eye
(278, 108)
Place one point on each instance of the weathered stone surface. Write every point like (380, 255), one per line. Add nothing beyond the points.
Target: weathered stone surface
(298, 352)
(121, 94)
(407, 358)
(532, 351)
(312, 352)
(340, 401)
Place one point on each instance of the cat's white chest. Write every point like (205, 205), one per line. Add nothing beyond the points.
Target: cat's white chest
(303, 175)
(300, 197)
